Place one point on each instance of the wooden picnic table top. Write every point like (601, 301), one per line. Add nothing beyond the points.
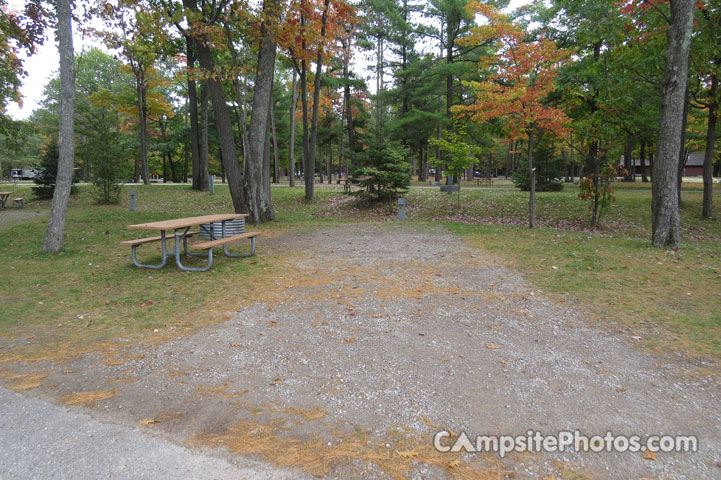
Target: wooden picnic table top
(5, 193)
(186, 222)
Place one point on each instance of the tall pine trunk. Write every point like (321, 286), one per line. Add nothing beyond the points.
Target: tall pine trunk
(276, 165)
(666, 221)
(55, 234)
(257, 178)
(203, 175)
(141, 91)
(291, 146)
(316, 92)
(532, 177)
(193, 113)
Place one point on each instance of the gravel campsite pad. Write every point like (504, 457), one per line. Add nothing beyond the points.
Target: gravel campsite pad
(375, 337)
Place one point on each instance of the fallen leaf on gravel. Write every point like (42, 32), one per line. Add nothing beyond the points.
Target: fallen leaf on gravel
(444, 359)
(493, 347)
(350, 339)
(148, 422)
(649, 455)
(621, 390)
(276, 381)
(114, 363)
(454, 463)
(377, 315)
(503, 362)
(236, 345)
(408, 453)
(314, 324)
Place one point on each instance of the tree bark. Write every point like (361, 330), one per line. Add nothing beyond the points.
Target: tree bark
(193, 113)
(532, 177)
(644, 177)
(222, 118)
(276, 166)
(203, 175)
(630, 175)
(55, 234)
(291, 146)
(256, 178)
(710, 148)
(316, 92)
(142, 126)
(666, 221)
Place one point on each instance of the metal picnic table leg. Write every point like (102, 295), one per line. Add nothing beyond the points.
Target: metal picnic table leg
(177, 255)
(163, 249)
(225, 247)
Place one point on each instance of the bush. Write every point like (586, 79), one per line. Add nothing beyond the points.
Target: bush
(383, 174)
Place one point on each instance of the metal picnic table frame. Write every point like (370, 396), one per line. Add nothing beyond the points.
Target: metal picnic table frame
(181, 227)
(4, 198)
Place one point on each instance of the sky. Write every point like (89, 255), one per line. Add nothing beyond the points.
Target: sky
(43, 66)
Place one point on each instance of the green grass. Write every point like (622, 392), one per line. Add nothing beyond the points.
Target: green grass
(91, 292)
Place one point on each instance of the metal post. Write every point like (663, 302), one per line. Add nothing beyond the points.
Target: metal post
(401, 209)
(212, 184)
(132, 200)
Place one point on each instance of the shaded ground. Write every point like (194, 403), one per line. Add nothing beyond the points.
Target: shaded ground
(374, 338)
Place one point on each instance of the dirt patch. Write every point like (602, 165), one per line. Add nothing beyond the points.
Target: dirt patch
(372, 339)
(11, 216)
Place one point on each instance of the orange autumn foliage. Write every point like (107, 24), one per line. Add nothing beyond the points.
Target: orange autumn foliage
(521, 77)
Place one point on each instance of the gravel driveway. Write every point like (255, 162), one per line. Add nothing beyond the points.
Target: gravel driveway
(374, 338)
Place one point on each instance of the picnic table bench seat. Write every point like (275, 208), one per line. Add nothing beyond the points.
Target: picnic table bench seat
(141, 241)
(224, 241)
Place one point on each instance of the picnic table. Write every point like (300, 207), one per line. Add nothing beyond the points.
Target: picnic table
(179, 228)
(4, 198)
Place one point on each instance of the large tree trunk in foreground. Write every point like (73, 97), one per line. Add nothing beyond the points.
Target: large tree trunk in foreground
(666, 221)
(222, 119)
(55, 234)
(257, 195)
(710, 147)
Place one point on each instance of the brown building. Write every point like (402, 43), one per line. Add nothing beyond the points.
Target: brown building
(693, 168)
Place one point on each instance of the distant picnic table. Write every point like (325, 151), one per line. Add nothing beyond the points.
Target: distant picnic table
(180, 231)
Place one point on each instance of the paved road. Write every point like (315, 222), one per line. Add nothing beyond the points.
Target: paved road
(41, 440)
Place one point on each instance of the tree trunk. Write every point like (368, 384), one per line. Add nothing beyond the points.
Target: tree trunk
(308, 161)
(193, 112)
(644, 177)
(223, 123)
(710, 147)
(276, 166)
(257, 178)
(316, 92)
(203, 175)
(532, 177)
(628, 158)
(291, 146)
(55, 234)
(328, 163)
(666, 221)
(143, 127)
